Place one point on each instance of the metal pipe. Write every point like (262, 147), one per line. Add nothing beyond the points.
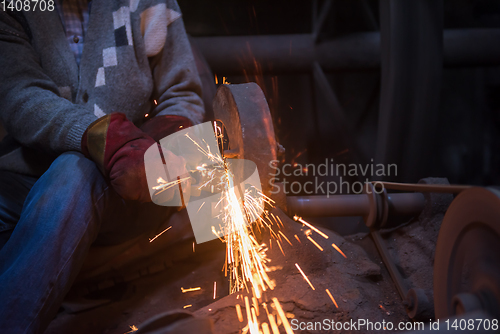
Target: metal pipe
(396, 276)
(352, 205)
(406, 204)
(431, 188)
(323, 206)
(296, 53)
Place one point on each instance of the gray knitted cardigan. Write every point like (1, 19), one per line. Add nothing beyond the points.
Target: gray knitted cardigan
(135, 52)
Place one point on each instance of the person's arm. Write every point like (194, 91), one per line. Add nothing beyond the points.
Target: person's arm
(31, 108)
(176, 80)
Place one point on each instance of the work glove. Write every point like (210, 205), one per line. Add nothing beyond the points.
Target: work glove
(160, 127)
(117, 147)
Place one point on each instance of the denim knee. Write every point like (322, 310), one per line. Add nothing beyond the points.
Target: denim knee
(73, 169)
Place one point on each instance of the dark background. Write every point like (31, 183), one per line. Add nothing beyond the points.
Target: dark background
(457, 139)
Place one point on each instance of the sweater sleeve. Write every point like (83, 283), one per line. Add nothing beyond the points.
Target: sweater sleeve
(177, 83)
(31, 108)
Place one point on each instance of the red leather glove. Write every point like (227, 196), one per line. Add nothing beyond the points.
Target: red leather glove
(117, 147)
(159, 127)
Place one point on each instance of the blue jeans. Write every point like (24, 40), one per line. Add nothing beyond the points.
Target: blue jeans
(46, 228)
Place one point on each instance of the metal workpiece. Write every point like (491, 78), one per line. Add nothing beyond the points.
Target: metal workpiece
(245, 115)
(329, 206)
(356, 205)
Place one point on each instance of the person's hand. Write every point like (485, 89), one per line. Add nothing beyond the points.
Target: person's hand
(117, 146)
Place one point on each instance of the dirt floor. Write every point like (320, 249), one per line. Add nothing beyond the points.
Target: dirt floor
(359, 283)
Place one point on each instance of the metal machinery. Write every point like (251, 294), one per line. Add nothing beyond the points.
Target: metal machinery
(467, 258)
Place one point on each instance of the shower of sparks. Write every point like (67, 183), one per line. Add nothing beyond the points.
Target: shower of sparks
(331, 297)
(305, 277)
(242, 210)
(315, 243)
(338, 250)
(246, 261)
(165, 230)
(164, 185)
(296, 218)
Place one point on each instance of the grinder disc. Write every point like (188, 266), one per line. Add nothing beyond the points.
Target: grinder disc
(467, 259)
(244, 112)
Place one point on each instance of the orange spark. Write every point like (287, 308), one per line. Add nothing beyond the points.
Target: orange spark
(238, 312)
(247, 308)
(315, 243)
(190, 289)
(133, 328)
(279, 245)
(215, 289)
(186, 306)
(255, 305)
(296, 237)
(280, 221)
(284, 236)
(297, 218)
(265, 328)
(338, 250)
(331, 297)
(274, 326)
(254, 320)
(283, 318)
(305, 277)
(165, 230)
